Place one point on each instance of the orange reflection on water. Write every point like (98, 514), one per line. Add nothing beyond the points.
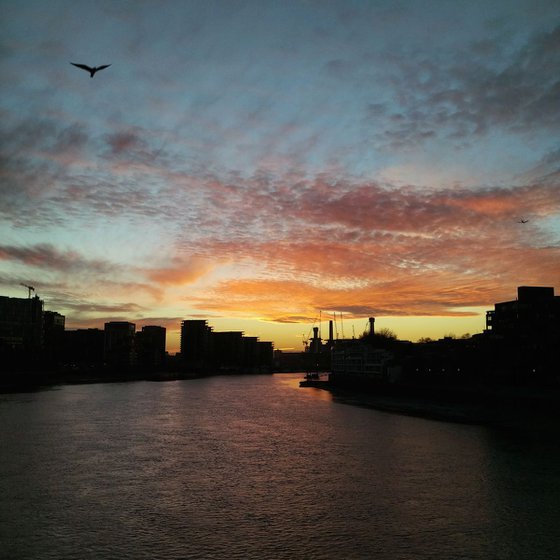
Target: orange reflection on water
(293, 380)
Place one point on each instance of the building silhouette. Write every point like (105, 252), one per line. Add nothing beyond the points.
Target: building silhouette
(203, 349)
(534, 314)
(522, 336)
(150, 348)
(518, 346)
(53, 337)
(36, 340)
(257, 354)
(83, 349)
(227, 349)
(195, 344)
(21, 331)
(119, 347)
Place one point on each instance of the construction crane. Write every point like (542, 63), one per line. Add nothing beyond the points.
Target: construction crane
(29, 289)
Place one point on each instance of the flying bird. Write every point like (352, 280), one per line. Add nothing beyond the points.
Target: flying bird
(89, 69)
(522, 221)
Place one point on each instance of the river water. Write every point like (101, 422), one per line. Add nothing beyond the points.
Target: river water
(255, 467)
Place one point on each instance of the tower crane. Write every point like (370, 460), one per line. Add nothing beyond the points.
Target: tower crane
(29, 289)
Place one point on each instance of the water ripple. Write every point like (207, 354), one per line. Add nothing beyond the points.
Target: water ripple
(255, 468)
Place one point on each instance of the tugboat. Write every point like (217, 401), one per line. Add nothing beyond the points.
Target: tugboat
(314, 379)
(318, 359)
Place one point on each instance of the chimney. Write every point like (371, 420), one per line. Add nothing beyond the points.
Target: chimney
(316, 341)
(330, 332)
(371, 326)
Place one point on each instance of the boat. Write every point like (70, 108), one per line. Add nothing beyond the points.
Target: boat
(314, 379)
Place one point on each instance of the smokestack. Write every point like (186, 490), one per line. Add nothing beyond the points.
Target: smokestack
(330, 332)
(371, 326)
(316, 342)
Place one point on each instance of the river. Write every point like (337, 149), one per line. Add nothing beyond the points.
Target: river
(254, 467)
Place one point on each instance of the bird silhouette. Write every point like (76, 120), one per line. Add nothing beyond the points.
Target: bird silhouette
(522, 221)
(89, 69)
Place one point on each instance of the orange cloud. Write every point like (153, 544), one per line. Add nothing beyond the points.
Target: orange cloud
(183, 271)
(389, 274)
(292, 301)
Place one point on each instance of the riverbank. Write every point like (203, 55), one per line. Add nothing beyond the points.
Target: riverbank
(22, 382)
(503, 407)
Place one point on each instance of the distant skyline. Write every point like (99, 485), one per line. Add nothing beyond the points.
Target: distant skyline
(258, 163)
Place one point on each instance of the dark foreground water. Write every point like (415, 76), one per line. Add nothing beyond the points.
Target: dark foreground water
(257, 468)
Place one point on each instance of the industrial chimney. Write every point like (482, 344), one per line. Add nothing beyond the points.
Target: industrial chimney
(316, 342)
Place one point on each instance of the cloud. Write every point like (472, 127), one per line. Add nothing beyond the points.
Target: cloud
(61, 275)
(255, 189)
(362, 214)
(546, 171)
(137, 147)
(125, 312)
(182, 271)
(472, 93)
(123, 308)
(367, 249)
(36, 156)
(88, 321)
(42, 143)
(46, 256)
(124, 142)
(298, 301)
(440, 277)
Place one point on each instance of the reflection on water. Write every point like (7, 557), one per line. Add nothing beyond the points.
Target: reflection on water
(255, 467)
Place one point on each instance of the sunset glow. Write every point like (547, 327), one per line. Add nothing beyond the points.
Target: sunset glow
(265, 164)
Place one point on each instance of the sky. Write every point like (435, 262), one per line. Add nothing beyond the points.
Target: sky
(268, 166)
